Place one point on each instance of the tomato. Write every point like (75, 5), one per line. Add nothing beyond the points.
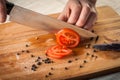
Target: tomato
(58, 51)
(67, 37)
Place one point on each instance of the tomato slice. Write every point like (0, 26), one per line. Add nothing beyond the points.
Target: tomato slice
(58, 51)
(67, 37)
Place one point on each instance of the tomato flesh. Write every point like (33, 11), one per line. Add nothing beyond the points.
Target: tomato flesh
(58, 51)
(68, 37)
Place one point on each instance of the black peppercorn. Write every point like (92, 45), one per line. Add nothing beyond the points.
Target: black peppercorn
(27, 51)
(27, 45)
(52, 68)
(66, 68)
(46, 76)
(69, 61)
(87, 54)
(76, 59)
(50, 73)
(92, 55)
(23, 51)
(18, 53)
(81, 66)
(94, 50)
(85, 61)
(32, 55)
(39, 63)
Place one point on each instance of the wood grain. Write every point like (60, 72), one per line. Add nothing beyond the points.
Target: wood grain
(16, 61)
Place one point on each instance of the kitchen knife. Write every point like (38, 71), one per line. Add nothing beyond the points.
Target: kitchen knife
(36, 20)
(108, 47)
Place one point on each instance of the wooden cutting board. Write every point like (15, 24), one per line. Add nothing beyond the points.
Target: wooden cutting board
(22, 46)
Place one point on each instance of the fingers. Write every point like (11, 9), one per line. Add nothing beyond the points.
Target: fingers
(83, 16)
(91, 21)
(79, 13)
(71, 12)
(74, 14)
(62, 17)
(2, 11)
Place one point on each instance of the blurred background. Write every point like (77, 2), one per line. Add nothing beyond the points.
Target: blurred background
(55, 6)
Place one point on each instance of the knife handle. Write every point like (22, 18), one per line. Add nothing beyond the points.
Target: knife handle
(9, 6)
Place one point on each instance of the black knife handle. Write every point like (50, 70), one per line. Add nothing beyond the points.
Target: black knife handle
(108, 47)
(9, 6)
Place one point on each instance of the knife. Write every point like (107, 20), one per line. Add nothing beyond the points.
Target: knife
(108, 47)
(39, 21)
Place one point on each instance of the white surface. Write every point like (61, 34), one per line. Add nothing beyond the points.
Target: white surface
(54, 6)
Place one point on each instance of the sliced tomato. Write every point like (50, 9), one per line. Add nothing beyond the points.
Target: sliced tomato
(58, 51)
(67, 37)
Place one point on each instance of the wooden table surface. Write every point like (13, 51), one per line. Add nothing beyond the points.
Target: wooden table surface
(57, 6)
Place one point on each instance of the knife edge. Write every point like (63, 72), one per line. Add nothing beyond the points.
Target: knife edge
(39, 21)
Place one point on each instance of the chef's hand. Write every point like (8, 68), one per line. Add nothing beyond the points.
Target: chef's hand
(3, 13)
(81, 13)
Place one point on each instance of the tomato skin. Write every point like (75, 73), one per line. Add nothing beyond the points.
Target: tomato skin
(67, 37)
(58, 51)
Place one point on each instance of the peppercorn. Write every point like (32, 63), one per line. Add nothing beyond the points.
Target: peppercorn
(27, 45)
(76, 59)
(52, 68)
(50, 73)
(46, 76)
(23, 51)
(39, 63)
(94, 50)
(87, 54)
(81, 66)
(32, 55)
(27, 51)
(69, 61)
(85, 61)
(18, 53)
(92, 55)
(66, 68)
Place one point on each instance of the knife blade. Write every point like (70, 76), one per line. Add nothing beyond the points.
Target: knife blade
(39, 21)
(108, 47)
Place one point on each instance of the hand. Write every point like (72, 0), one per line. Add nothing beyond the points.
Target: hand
(3, 13)
(81, 13)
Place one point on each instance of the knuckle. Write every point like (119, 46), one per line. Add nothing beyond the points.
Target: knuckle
(80, 23)
(87, 7)
(78, 7)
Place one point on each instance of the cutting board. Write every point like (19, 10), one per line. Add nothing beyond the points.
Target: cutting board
(22, 52)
